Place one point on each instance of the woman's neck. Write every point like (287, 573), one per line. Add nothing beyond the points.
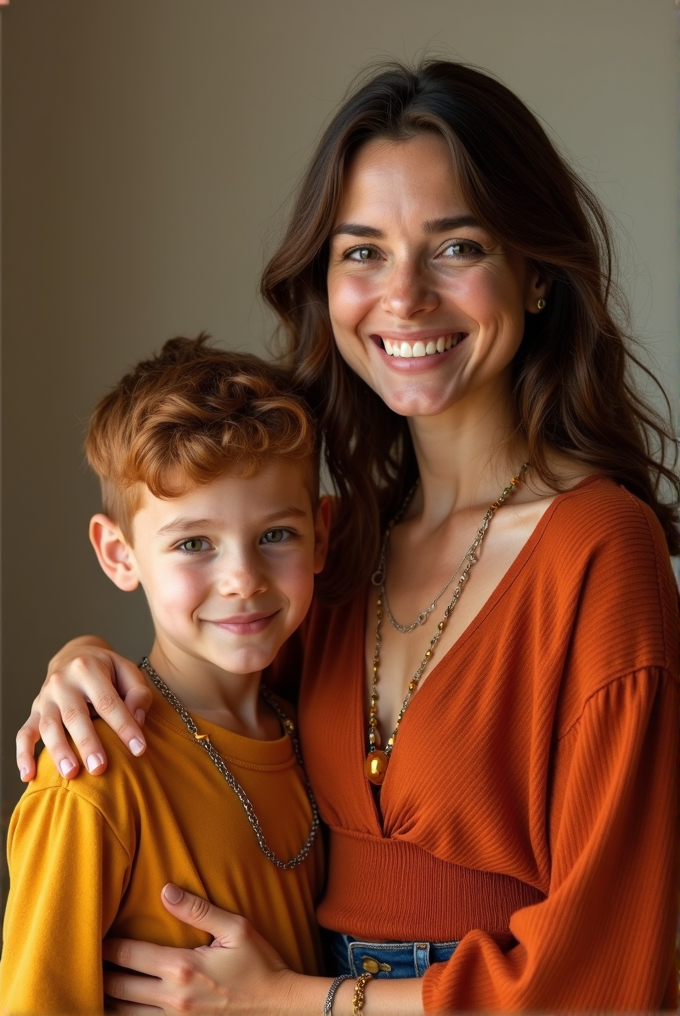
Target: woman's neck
(464, 458)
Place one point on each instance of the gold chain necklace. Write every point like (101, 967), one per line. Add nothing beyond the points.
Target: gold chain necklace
(377, 760)
(203, 741)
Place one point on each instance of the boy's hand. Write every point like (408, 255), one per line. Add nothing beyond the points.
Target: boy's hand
(86, 674)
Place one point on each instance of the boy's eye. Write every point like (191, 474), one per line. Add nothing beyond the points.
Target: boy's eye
(275, 536)
(194, 545)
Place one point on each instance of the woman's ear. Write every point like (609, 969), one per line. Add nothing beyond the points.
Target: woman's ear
(113, 552)
(322, 528)
(538, 288)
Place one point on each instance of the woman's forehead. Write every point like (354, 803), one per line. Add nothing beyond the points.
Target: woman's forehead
(415, 176)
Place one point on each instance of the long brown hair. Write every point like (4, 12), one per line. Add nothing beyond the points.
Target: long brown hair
(572, 386)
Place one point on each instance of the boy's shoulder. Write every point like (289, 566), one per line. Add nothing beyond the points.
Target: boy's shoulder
(114, 793)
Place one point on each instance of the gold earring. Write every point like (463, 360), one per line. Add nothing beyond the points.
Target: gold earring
(541, 303)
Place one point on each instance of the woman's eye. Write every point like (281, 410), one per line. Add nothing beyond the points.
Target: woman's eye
(461, 249)
(361, 254)
(194, 545)
(276, 536)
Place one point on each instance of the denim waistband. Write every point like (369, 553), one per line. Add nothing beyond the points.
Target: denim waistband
(350, 955)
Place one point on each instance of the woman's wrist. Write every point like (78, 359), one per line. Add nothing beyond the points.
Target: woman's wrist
(382, 997)
(303, 995)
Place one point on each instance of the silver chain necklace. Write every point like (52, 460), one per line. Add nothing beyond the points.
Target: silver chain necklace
(379, 576)
(203, 741)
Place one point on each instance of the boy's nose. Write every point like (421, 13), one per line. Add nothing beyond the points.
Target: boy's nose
(243, 579)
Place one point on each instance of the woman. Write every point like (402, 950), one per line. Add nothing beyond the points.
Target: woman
(445, 289)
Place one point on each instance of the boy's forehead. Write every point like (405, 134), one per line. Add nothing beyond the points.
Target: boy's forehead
(279, 487)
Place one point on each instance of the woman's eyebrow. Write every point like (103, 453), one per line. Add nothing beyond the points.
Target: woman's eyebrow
(451, 223)
(356, 229)
(443, 225)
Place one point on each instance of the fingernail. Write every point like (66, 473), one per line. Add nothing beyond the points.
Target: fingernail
(94, 761)
(23, 771)
(65, 767)
(172, 893)
(140, 716)
(136, 746)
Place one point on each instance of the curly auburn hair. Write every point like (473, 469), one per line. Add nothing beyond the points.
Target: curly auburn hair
(179, 419)
(573, 377)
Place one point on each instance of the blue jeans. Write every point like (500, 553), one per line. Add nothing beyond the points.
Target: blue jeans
(385, 959)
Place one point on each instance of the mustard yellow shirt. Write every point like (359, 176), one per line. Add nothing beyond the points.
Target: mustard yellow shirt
(88, 859)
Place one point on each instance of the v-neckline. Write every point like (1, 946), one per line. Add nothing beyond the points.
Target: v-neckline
(487, 607)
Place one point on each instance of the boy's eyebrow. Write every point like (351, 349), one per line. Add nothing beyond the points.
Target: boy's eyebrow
(184, 523)
(290, 512)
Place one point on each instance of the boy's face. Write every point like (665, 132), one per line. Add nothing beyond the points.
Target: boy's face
(228, 568)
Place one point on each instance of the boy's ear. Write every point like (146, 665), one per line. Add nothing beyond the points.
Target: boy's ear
(113, 552)
(322, 528)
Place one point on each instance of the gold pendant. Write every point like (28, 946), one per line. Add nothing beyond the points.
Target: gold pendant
(375, 766)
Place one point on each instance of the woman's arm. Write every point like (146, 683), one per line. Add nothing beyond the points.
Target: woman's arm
(239, 974)
(86, 672)
(604, 936)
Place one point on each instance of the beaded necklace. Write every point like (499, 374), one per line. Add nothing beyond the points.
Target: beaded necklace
(377, 760)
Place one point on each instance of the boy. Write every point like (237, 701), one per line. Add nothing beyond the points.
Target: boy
(209, 475)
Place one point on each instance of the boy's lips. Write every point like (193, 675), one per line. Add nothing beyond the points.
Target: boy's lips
(245, 624)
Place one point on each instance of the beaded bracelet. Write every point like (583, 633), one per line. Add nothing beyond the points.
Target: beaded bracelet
(328, 1004)
(358, 1000)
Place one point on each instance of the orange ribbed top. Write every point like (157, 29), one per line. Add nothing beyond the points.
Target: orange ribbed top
(529, 810)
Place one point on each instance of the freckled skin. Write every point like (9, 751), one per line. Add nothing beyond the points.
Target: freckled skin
(412, 282)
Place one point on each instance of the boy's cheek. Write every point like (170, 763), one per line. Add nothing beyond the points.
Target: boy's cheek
(173, 591)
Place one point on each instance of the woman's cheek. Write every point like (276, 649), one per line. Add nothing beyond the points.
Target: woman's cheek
(349, 300)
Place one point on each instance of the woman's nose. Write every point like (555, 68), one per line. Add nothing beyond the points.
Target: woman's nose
(409, 291)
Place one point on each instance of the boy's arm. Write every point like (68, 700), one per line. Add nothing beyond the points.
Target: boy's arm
(68, 872)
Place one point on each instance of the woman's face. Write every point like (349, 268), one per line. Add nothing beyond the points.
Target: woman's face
(426, 305)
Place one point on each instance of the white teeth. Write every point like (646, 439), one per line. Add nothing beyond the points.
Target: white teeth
(420, 348)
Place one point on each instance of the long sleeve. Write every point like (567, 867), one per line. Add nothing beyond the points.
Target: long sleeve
(68, 873)
(601, 937)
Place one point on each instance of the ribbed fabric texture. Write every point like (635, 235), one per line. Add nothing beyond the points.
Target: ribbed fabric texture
(544, 838)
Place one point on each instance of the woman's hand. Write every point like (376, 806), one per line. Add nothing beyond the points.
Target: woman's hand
(85, 673)
(239, 973)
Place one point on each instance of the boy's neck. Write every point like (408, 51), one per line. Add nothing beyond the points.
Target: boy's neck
(231, 701)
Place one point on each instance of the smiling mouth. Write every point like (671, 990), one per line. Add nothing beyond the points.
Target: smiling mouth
(244, 624)
(427, 347)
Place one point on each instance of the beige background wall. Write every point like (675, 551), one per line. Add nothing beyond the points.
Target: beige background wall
(148, 146)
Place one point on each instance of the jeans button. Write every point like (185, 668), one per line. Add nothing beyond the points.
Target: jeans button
(372, 966)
